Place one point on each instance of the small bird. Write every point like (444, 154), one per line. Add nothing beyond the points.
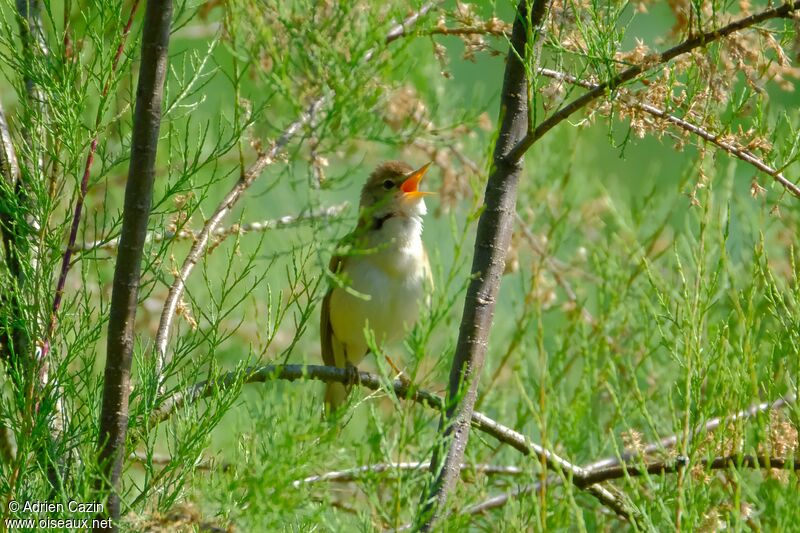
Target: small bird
(386, 275)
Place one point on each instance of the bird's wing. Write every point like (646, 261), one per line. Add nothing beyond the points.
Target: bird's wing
(325, 328)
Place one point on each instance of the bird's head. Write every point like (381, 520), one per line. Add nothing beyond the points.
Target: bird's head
(393, 190)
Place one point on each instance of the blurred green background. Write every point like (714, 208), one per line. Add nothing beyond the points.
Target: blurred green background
(628, 308)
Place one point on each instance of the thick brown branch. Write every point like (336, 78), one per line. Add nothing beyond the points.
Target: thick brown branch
(124, 295)
(649, 63)
(491, 244)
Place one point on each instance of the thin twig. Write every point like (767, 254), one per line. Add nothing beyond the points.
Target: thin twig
(718, 140)
(401, 29)
(497, 31)
(353, 474)
(318, 215)
(401, 388)
(650, 62)
(669, 442)
(226, 206)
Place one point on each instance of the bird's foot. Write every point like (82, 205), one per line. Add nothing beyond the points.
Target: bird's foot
(353, 378)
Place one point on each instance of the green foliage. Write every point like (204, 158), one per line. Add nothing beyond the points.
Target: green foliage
(652, 282)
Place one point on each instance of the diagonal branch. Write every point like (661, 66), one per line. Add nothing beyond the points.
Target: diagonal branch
(614, 466)
(784, 10)
(717, 140)
(226, 205)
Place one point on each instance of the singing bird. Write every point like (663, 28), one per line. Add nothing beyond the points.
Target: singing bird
(385, 276)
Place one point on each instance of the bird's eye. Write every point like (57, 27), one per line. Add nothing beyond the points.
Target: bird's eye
(388, 184)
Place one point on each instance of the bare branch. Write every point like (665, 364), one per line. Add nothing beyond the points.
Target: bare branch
(113, 422)
(401, 388)
(487, 29)
(785, 10)
(401, 29)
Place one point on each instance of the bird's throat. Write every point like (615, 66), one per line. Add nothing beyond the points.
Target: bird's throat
(378, 222)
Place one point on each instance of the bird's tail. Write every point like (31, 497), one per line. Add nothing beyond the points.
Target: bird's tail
(335, 396)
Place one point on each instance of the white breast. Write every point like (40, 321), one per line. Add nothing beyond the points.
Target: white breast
(390, 284)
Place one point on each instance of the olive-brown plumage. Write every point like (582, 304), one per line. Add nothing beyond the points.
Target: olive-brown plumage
(388, 270)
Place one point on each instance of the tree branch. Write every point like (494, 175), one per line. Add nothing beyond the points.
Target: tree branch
(613, 465)
(113, 423)
(736, 151)
(402, 389)
(329, 374)
(785, 10)
(491, 244)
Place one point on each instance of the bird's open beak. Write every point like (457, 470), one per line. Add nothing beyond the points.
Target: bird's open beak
(410, 186)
